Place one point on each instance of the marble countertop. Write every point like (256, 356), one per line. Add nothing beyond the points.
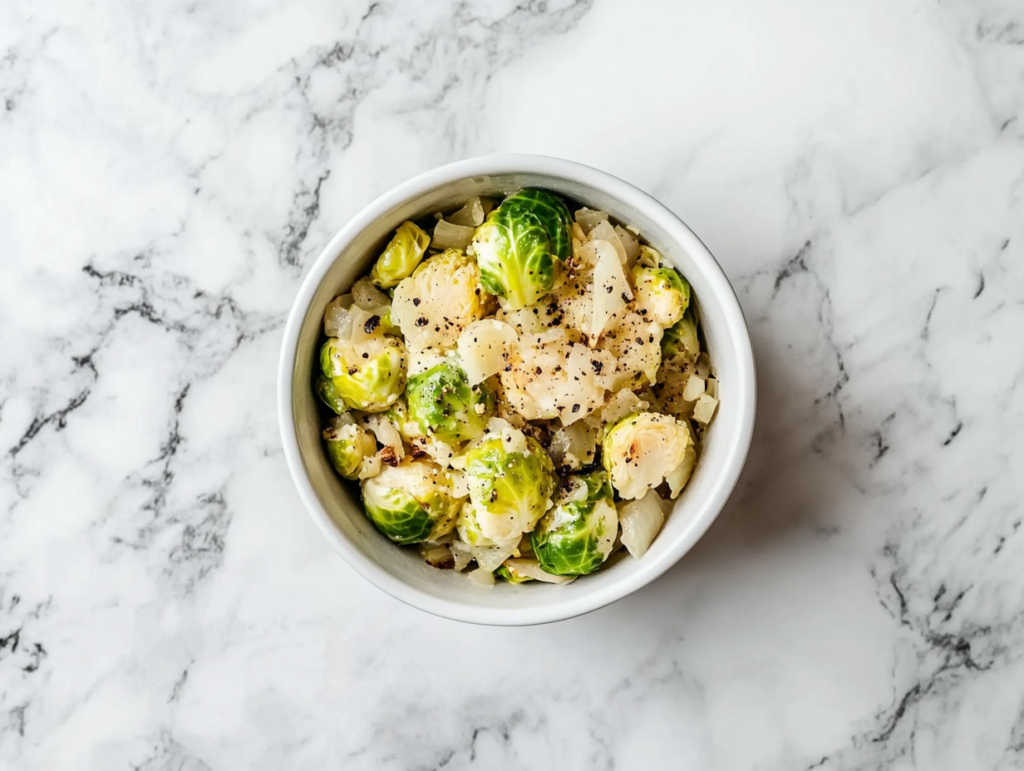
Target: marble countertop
(167, 173)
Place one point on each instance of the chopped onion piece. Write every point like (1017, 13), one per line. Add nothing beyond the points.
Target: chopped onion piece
(582, 443)
(421, 361)
(624, 403)
(588, 219)
(437, 555)
(578, 234)
(704, 409)
(370, 466)
(560, 442)
(641, 520)
(463, 554)
(363, 326)
(458, 482)
(712, 386)
(514, 440)
(470, 216)
(337, 319)
(367, 296)
(481, 347)
(611, 290)
(605, 232)
(630, 244)
(703, 366)
(531, 569)
(693, 389)
(386, 433)
(449, 236)
(482, 577)
(489, 558)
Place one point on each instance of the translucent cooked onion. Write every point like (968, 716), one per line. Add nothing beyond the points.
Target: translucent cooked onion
(367, 296)
(605, 232)
(482, 347)
(693, 389)
(449, 236)
(386, 433)
(530, 568)
(588, 219)
(462, 554)
(470, 216)
(482, 577)
(582, 444)
(641, 520)
(611, 289)
(703, 366)
(370, 467)
(624, 403)
(437, 555)
(630, 244)
(337, 319)
(704, 409)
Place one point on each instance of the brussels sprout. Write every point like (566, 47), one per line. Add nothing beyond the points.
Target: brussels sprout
(398, 413)
(442, 402)
(368, 376)
(644, 449)
(411, 502)
(401, 256)
(330, 395)
(662, 295)
(511, 479)
(552, 211)
(521, 246)
(348, 444)
(681, 338)
(438, 301)
(576, 536)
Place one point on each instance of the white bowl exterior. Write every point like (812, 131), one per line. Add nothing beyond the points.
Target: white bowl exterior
(401, 572)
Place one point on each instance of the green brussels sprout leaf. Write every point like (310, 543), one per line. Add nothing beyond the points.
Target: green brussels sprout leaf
(510, 490)
(401, 256)
(576, 536)
(411, 502)
(443, 403)
(521, 245)
(368, 376)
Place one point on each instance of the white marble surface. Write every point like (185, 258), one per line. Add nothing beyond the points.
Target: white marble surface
(168, 170)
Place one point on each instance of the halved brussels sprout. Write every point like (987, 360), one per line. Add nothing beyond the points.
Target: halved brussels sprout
(577, 535)
(411, 502)
(552, 211)
(511, 479)
(368, 376)
(398, 413)
(681, 338)
(439, 300)
(330, 395)
(443, 403)
(401, 256)
(521, 246)
(348, 444)
(662, 295)
(644, 449)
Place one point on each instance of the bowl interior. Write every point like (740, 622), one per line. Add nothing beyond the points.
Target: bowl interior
(400, 570)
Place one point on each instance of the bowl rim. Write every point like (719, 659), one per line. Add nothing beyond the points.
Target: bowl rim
(503, 164)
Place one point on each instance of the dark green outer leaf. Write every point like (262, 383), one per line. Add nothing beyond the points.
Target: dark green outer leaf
(552, 212)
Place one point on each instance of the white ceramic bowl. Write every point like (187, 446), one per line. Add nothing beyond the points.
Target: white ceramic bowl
(337, 510)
